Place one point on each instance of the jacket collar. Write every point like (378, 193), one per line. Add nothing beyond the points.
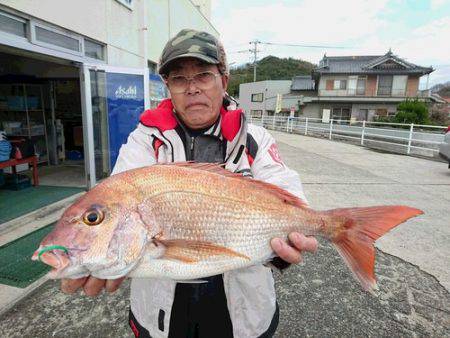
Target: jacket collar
(163, 118)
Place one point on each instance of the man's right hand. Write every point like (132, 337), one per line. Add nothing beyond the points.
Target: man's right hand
(92, 286)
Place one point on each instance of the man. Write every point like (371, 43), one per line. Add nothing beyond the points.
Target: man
(195, 125)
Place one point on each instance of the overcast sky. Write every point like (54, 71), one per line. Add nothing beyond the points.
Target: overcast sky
(416, 30)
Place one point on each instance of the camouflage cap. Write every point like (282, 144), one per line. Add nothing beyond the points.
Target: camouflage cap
(196, 44)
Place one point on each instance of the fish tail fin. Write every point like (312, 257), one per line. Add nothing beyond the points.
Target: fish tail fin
(353, 232)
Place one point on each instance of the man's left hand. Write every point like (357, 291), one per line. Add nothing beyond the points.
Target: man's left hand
(292, 252)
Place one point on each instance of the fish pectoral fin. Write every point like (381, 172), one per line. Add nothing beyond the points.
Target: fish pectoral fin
(189, 251)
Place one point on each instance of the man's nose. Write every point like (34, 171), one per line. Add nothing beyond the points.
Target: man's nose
(192, 87)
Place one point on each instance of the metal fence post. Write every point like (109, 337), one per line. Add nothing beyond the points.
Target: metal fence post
(273, 122)
(362, 132)
(306, 127)
(410, 138)
(262, 120)
(287, 124)
(331, 128)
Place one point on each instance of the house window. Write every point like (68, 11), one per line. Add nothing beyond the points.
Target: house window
(341, 113)
(94, 50)
(361, 86)
(13, 25)
(50, 37)
(384, 85)
(399, 85)
(340, 84)
(259, 97)
(255, 113)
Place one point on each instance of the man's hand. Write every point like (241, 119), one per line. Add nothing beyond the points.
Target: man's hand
(92, 286)
(292, 252)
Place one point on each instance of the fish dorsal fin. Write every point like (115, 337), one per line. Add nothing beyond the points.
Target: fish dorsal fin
(219, 169)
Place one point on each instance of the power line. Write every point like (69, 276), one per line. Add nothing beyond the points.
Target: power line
(301, 45)
(255, 50)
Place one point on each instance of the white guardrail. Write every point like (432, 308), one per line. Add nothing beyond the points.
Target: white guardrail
(412, 139)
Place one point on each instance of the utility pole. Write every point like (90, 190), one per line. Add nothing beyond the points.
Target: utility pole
(255, 56)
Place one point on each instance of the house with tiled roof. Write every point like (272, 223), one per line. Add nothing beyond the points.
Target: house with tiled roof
(343, 87)
(361, 87)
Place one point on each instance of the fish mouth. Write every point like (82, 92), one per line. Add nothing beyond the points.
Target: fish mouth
(56, 256)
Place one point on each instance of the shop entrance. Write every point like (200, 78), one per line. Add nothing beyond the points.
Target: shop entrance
(40, 101)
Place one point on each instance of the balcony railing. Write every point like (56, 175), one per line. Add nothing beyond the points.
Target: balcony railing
(352, 93)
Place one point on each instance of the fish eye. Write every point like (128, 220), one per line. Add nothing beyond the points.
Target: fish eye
(93, 217)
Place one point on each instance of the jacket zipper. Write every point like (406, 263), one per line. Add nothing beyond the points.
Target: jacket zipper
(192, 148)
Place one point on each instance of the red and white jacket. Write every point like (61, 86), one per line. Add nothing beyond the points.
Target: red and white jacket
(251, 150)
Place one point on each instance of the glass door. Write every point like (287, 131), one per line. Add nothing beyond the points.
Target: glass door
(100, 123)
(113, 100)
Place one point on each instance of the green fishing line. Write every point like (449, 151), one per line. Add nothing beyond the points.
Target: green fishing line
(52, 247)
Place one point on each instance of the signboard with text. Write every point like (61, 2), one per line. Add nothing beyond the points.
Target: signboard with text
(125, 99)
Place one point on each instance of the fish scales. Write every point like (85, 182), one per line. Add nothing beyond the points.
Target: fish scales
(191, 220)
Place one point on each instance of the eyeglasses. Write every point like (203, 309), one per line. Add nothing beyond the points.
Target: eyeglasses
(204, 80)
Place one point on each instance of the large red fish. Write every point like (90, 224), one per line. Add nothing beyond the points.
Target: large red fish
(187, 221)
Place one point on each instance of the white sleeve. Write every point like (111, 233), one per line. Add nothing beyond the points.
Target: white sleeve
(268, 166)
(137, 152)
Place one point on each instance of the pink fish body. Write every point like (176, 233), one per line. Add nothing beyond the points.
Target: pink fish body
(187, 221)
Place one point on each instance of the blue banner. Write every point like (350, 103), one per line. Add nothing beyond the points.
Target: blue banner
(125, 99)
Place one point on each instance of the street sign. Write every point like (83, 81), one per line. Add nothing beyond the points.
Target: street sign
(278, 104)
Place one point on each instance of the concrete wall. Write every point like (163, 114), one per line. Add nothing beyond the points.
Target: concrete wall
(132, 36)
(270, 89)
(82, 16)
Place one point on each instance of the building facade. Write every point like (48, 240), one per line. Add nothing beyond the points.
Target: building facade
(364, 87)
(350, 88)
(81, 72)
(258, 98)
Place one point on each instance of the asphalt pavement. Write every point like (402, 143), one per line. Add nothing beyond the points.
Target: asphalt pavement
(318, 298)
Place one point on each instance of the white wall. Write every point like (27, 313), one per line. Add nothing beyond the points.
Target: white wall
(132, 35)
(167, 17)
(269, 88)
(80, 16)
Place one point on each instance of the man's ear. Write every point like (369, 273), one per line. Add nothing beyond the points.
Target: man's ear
(225, 78)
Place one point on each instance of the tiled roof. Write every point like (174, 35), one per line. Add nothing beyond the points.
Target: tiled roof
(369, 64)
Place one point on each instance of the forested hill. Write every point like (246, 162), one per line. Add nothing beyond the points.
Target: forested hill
(269, 68)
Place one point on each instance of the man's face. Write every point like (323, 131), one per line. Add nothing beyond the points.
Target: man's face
(198, 108)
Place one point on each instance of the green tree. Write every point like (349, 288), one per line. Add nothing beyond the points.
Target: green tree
(268, 68)
(412, 111)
